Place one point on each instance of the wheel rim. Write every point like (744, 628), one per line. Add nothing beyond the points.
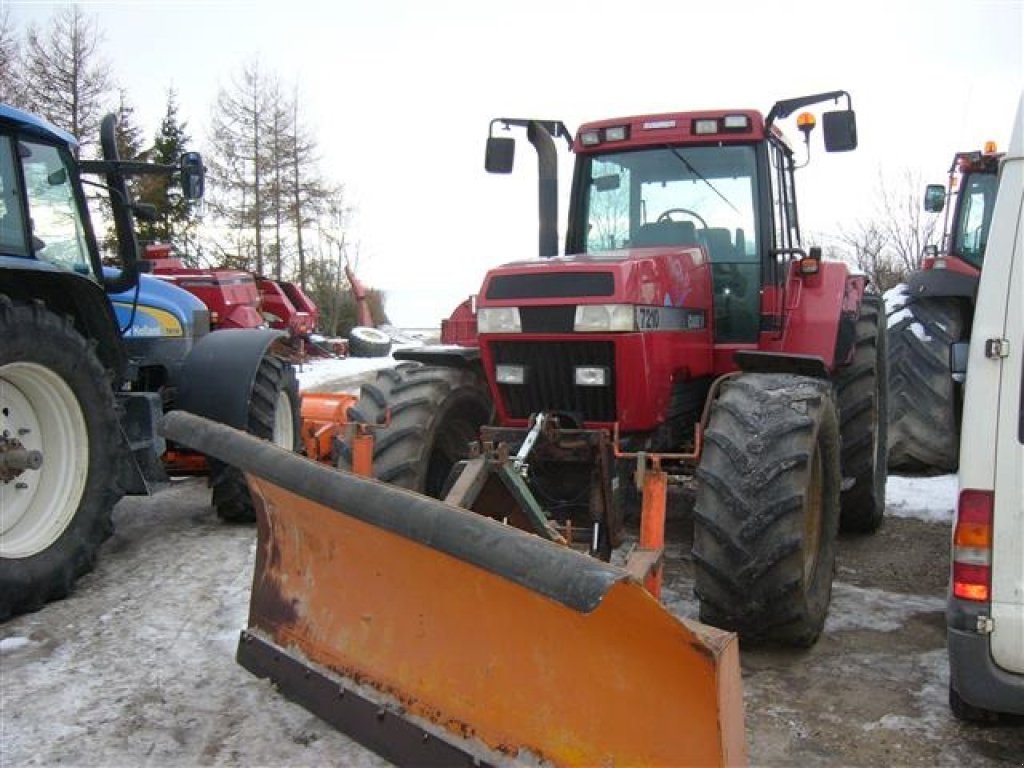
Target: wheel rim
(284, 422)
(813, 508)
(371, 334)
(38, 408)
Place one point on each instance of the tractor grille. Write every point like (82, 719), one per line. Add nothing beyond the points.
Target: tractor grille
(550, 384)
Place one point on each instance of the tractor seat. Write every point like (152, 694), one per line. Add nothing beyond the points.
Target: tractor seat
(665, 233)
(718, 241)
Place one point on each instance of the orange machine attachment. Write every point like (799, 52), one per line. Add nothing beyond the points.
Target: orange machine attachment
(325, 420)
(434, 635)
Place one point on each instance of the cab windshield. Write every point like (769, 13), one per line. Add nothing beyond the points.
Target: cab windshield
(673, 196)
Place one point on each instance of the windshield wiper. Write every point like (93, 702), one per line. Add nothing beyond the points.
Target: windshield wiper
(700, 176)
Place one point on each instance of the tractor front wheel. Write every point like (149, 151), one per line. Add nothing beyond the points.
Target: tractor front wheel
(436, 412)
(57, 405)
(274, 412)
(767, 508)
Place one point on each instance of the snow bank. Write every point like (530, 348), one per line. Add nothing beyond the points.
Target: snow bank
(932, 499)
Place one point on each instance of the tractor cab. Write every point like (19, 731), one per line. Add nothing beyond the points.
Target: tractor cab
(973, 182)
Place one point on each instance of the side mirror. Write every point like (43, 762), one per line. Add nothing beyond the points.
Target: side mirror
(501, 154)
(958, 353)
(840, 130)
(193, 176)
(934, 198)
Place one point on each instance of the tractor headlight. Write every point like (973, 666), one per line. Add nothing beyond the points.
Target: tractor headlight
(604, 317)
(498, 320)
(590, 376)
(510, 374)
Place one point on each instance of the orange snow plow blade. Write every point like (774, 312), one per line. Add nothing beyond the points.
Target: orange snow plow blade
(437, 636)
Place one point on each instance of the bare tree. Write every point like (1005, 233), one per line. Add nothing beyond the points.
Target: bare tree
(890, 244)
(65, 79)
(907, 226)
(10, 65)
(308, 194)
(237, 167)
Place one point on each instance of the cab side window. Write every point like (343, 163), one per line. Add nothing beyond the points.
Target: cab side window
(12, 220)
(58, 234)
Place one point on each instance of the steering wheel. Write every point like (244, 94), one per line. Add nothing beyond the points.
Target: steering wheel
(666, 215)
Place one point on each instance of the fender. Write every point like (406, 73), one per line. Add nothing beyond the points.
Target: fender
(942, 283)
(68, 293)
(816, 306)
(217, 378)
(444, 355)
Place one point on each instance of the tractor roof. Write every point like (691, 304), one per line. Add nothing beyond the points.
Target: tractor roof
(671, 128)
(26, 122)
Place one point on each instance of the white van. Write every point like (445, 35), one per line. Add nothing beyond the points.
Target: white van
(985, 611)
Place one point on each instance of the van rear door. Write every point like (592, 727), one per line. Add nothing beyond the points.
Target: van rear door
(1007, 640)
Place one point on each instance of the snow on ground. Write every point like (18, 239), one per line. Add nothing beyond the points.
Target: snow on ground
(318, 373)
(323, 373)
(875, 609)
(932, 499)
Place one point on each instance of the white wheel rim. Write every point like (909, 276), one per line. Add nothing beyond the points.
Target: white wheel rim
(38, 408)
(372, 335)
(284, 422)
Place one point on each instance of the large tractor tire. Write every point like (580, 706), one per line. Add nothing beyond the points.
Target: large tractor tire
(436, 412)
(863, 395)
(767, 509)
(55, 398)
(924, 430)
(274, 415)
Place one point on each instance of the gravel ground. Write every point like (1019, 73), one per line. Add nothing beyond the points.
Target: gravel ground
(137, 666)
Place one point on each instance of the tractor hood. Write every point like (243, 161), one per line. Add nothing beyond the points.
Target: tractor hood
(676, 276)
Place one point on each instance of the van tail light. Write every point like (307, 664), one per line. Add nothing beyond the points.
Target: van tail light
(972, 546)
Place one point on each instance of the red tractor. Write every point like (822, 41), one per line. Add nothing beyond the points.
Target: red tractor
(686, 329)
(935, 309)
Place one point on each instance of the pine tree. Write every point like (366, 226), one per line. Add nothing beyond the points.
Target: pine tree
(176, 217)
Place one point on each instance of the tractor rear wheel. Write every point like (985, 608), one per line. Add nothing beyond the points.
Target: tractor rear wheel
(273, 415)
(767, 509)
(55, 398)
(862, 394)
(924, 431)
(436, 412)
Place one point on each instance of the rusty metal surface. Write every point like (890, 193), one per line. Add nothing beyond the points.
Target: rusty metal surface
(338, 702)
(485, 649)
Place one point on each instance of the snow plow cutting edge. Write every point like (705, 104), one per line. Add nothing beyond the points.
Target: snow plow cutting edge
(433, 635)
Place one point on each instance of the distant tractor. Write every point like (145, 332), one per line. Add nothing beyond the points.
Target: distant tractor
(686, 328)
(935, 309)
(91, 357)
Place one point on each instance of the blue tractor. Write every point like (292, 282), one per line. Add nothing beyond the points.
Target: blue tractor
(91, 357)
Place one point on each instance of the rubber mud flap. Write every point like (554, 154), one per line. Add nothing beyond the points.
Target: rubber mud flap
(424, 631)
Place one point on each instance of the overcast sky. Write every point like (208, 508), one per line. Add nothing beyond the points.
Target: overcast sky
(401, 93)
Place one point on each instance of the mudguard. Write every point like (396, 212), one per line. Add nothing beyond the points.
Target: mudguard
(942, 283)
(436, 636)
(216, 379)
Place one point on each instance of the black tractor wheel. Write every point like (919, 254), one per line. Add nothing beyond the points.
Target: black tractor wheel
(924, 431)
(862, 395)
(57, 406)
(364, 341)
(436, 412)
(274, 413)
(767, 508)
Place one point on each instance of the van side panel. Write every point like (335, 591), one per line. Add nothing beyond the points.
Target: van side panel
(1008, 518)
